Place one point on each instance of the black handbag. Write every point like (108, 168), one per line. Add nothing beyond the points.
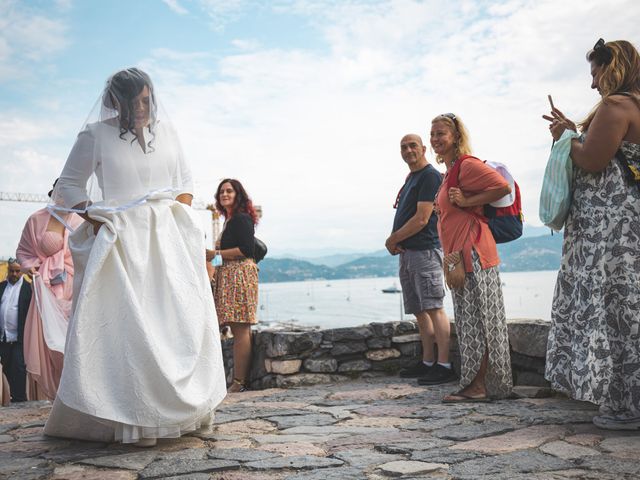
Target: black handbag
(259, 249)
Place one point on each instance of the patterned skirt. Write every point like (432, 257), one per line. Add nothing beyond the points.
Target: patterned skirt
(593, 352)
(235, 291)
(481, 325)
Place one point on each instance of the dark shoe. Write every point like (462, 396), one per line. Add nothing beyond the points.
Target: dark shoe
(438, 375)
(417, 370)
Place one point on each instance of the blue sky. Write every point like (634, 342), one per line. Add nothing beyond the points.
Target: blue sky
(303, 101)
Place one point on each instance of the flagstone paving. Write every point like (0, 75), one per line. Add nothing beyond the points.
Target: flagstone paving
(371, 429)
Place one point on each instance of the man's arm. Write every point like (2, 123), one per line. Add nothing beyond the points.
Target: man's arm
(413, 226)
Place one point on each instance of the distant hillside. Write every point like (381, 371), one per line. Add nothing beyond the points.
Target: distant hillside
(531, 253)
(525, 254)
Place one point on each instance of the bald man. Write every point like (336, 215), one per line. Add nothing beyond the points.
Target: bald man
(415, 239)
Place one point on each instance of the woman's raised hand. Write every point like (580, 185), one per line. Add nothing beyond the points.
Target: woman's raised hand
(559, 123)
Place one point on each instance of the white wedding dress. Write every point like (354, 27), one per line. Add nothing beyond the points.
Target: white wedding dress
(143, 356)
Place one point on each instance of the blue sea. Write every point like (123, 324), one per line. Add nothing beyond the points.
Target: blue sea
(347, 303)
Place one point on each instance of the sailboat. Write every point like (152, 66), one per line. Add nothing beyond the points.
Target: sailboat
(392, 289)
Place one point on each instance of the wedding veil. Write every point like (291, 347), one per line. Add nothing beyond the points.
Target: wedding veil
(126, 153)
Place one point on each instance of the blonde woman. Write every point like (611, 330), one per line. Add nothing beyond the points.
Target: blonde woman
(593, 352)
(469, 247)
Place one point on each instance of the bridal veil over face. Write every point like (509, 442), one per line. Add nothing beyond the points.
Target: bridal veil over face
(128, 109)
(143, 357)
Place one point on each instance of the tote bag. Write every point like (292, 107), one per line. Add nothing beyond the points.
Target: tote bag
(555, 196)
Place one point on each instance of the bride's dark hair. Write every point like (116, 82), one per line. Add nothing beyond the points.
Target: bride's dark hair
(122, 88)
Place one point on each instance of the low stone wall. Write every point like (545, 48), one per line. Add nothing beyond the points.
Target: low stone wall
(286, 359)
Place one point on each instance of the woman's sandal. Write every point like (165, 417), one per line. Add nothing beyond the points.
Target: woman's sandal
(237, 386)
(464, 398)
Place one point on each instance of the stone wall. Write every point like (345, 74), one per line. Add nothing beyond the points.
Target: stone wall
(285, 359)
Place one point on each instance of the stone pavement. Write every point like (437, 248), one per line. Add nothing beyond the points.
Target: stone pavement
(374, 428)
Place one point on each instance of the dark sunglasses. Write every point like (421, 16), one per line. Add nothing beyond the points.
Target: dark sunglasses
(601, 53)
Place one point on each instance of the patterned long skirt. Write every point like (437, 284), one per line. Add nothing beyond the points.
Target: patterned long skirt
(235, 291)
(593, 353)
(481, 326)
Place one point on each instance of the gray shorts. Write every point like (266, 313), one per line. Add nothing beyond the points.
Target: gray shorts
(422, 280)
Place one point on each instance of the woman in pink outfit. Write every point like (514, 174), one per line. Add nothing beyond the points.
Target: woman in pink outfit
(43, 253)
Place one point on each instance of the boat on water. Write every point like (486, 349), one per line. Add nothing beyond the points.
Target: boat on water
(392, 289)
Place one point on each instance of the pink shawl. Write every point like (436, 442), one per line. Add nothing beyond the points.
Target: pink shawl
(44, 364)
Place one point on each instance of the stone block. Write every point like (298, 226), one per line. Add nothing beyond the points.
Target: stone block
(527, 363)
(321, 365)
(299, 379)
(345, 334)
(410, 467)
(383, 354)
(382, 329)
(282, 367)
(348, 348)
(412, 349)
(355, 366)
(292, 343)
(401, 328)
(532, 379)
(529, 337)
(411, 337)
(567, 451)
(379, 342)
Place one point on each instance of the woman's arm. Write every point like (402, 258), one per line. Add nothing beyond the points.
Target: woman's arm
(607, 130)
(457, 197)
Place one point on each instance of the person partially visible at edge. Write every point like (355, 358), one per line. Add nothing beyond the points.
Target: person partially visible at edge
(593, 351)
(480, 319)
(15, 296)
(235, 282)
(142, 359)
(43, 253)
(415, 238)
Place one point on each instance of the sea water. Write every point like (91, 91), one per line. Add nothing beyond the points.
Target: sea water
(352, 302)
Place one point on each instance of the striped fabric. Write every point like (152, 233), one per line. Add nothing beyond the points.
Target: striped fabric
(555, 196)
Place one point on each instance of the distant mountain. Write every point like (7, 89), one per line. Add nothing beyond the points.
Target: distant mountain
(525, 254)
(531, 253)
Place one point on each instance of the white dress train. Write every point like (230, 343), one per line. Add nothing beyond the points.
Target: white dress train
(143, 356)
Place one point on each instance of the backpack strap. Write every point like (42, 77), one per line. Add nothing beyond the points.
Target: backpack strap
(453, 181)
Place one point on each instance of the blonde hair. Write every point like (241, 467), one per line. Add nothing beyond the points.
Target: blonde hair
(620, 63)
(463, 142)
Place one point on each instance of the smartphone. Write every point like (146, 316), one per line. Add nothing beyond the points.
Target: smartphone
(550, 101)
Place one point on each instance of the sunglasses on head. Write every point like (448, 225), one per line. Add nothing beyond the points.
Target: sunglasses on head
(449, 115)
(601, 53)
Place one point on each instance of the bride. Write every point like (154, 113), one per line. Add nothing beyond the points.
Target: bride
(142, 358)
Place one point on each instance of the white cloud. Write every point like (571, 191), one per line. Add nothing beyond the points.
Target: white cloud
(27, 36)
(222, 12)
(176, 7)
(314, 135)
